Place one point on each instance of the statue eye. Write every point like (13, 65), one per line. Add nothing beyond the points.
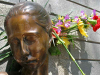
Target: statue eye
(15, 41)
(29, 39)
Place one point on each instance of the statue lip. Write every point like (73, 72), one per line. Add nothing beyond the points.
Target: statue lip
(31, 60)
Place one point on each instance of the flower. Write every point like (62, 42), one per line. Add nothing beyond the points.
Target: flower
(81, 28)
(80, 25)
(95, 22)
(52, 22)
(83, 15)
(67, 21)
(58, 29)
(58, 25)
(60, 17)
(95, 17)
(67, 17)
(76, 19)
(67, 24)
(58, 33)
(94, 12)
(67, 43)
(97, 26)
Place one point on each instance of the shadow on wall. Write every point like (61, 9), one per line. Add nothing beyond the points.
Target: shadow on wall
(57, 64)
(63, 65)
(1, 29)
(79, 52)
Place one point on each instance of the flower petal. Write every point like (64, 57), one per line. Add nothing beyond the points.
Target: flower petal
(94, 12)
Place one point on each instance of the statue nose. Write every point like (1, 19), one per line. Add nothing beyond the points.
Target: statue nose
(24, 49)
(25, 52)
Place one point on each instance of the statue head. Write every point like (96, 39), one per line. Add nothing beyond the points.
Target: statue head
(29, 31)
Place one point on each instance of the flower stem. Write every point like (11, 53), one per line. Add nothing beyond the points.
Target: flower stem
(46, 4)
(70, 28)
(68, 52)
(73, 59)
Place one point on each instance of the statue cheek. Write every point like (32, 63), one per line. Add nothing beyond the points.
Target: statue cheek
(16, 53)
(41, 55)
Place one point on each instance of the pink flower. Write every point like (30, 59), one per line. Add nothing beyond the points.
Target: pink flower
(95, 17)
(67, 17)
(58, 25)
(76, 19)
(83, 15)
(67, 24)
(94, 12)
(67, 21)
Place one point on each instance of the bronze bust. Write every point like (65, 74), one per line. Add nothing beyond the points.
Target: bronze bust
(29, 31)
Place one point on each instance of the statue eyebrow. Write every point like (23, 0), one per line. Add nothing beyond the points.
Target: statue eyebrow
(35, 33)
(28, 34)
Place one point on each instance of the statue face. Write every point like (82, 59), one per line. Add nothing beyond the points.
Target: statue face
(29, 42)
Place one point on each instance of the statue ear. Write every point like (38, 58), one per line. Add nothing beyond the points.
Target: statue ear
(50, 40)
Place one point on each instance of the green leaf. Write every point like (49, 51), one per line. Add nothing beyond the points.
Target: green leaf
(58, 42)
(93, 22)
(54, 51)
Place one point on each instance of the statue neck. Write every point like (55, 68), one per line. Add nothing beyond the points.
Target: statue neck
(42, 70)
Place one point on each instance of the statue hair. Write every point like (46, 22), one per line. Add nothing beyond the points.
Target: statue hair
(32, 9)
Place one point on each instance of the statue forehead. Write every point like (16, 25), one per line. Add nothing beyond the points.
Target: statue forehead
(22, 24)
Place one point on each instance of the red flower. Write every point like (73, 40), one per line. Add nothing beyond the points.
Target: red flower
(56, 30)
(97, 26)
(95, 17)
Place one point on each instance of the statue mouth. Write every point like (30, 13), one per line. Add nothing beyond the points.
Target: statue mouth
(32, 61)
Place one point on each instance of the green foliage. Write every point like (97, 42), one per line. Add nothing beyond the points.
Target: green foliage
(58, 42)
(93, 22)
(74, 27)
(54, 50)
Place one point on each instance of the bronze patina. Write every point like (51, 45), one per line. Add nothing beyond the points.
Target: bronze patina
(29, 31)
